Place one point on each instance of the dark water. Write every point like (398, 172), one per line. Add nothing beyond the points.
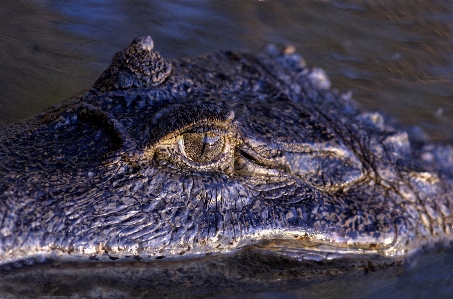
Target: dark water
(396, 57)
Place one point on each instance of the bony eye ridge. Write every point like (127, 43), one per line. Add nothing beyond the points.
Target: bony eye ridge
(202, 147)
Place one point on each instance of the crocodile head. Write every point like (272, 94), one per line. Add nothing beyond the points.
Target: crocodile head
(214, 154)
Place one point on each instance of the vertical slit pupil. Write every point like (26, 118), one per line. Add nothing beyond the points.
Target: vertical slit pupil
(202, 147)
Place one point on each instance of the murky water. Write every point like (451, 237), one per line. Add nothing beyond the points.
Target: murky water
(396, 56)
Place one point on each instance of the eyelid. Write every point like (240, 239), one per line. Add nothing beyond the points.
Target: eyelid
(205, 129)
(197, 128)
(178, 120)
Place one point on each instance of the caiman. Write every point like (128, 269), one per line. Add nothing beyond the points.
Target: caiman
(224, 169)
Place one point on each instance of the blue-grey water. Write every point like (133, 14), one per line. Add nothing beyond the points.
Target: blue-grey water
(395, 56)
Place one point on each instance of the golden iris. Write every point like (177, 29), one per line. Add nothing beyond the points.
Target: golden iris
(202, 147)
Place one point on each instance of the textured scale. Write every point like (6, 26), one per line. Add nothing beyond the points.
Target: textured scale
(216, 157)
(137, 66)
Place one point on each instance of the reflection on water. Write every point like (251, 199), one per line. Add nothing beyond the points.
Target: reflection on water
(422, 279)
(395, 56)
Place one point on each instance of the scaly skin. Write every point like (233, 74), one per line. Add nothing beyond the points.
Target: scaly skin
(217, 154)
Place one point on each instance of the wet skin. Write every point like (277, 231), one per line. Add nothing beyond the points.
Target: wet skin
(218, 155)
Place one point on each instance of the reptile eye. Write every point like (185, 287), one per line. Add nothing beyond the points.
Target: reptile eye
(195, 137)
(201, 147)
